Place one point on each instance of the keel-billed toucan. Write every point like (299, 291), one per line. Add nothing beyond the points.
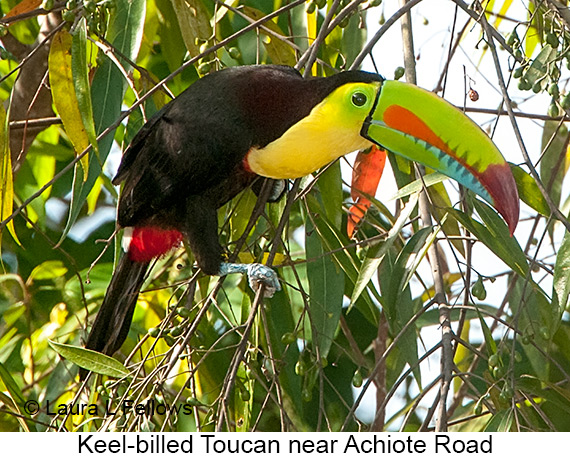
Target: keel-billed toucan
(235, 125)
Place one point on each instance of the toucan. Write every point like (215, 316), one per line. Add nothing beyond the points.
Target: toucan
(238, 125)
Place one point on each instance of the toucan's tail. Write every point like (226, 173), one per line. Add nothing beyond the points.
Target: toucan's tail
(114, 318)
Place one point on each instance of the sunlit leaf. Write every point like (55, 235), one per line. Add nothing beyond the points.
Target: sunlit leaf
(63, 94)
(108, 88)
(425, 181)
(6, 182)
(561, 279)
(80, 69)
(50, 269)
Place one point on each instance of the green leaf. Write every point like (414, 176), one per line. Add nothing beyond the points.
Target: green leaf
(194, 22)
(489, 341)
(561, 279)
(539, 67)
(536, 30)
(426, 181)
(440, 203)
(353, 38)
(108, 88)
(394, 277)
(80, 70)
(50, 269)
(326, 284)
(555, 158)
(500, 422)
(376, 254)
(529, 191)
(63, 94)
(335, 241)
(330, 185)
(495, 235)
(280, 320)
(6, 178)
(538, 318)
(90, 360)
(11, 386)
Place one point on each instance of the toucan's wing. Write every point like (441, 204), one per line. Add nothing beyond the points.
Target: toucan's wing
(198, 140)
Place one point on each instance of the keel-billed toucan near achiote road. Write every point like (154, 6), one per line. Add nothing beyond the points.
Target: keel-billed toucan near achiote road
(235, 125)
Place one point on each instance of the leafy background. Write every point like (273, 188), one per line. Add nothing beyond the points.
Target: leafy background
(432, 318)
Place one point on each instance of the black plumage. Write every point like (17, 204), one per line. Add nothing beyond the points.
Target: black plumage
(188, 160)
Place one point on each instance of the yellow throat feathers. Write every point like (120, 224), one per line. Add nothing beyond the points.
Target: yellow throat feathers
(331, 130)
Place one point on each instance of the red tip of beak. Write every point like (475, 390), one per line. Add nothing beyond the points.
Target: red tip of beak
(499, 182)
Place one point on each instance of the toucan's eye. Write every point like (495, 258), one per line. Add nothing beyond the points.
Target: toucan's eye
(359, 99)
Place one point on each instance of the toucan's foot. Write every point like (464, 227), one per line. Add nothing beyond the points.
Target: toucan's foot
(257, 274)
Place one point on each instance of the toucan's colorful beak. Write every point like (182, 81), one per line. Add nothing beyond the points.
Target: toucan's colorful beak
(423, 127)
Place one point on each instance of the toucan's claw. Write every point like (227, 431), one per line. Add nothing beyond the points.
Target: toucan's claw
(257, 274)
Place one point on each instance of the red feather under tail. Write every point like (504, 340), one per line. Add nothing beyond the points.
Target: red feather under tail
(149, 242)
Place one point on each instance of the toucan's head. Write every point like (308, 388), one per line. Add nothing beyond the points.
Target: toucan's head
(354, 109)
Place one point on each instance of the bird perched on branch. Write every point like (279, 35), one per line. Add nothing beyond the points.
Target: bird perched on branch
(236, 126)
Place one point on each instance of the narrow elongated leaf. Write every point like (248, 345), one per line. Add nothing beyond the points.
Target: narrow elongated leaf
(90, 360)
(561, 281)
(334, 241)
(80, 71)
(63, 94)
(495, 235)
(330, 185)
(6, 180)
(426, 181)
(108, 88)
(555, 158)
(11, 385)
(538, 318)
(489, 341)
(326, 284)
(440, 201)
(536, 30)
(376, 254)
(394, 277)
